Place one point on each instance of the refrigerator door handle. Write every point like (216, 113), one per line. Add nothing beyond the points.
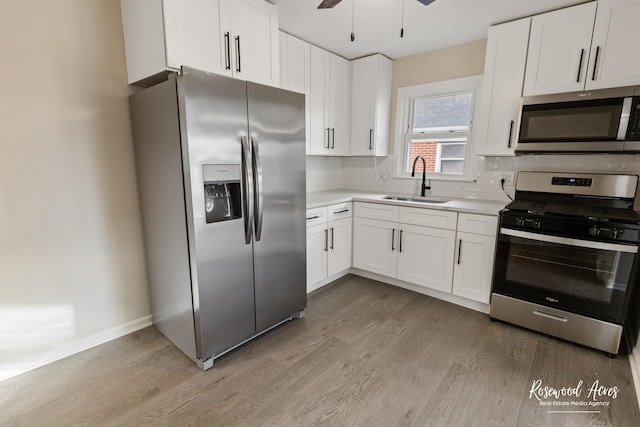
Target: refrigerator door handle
(248, 191)
(257, 183)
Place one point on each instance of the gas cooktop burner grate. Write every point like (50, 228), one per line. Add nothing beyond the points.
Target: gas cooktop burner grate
(595, 213)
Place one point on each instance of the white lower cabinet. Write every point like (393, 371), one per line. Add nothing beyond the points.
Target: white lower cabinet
(416, 254)
(475, 250)
(425, 256)
(317, 254)
(374, 246)
(454, 254)
(339, 251)
(328, 243)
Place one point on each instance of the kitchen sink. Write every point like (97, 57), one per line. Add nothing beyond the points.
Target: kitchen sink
(415, 199)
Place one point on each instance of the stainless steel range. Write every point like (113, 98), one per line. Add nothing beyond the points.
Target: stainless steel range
(567, 258)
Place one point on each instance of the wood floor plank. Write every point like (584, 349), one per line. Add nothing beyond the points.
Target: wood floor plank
(366, 354)
(561, 364)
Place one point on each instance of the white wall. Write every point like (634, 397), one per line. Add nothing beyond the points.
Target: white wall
(72, 268)
(324, 173)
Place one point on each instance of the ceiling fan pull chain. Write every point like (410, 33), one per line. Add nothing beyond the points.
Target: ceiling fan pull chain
(353, 20)
(402, 22)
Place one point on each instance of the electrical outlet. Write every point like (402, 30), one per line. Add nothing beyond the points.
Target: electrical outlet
(509, 177)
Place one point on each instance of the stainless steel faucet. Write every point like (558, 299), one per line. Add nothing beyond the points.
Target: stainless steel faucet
(424, 174)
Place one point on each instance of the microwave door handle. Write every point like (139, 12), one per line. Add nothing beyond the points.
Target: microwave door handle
(247, 177)
(258, 185)
(510, 134)
(624, 118)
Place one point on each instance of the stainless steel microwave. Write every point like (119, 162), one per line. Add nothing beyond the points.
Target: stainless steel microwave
(605, 120)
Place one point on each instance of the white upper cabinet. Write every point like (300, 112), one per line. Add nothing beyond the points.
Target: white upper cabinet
(502, 88)
(319, 101)
(559, 48)
(236, 38)
(190, 38)
(330, 90)
(295, 64)
(371, 106)
(589, 46)
(295, 72)
(253, 25)
(616, 41)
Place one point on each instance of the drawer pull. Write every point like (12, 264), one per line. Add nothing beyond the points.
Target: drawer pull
(313, 217)
(550, 316)
(339, 212)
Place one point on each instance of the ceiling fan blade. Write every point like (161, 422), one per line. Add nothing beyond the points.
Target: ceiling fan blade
(328, 4)
(426, 2)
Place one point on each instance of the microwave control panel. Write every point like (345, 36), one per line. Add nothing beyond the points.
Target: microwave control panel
(633, 131)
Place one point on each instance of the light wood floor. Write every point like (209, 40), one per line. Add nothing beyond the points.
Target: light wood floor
(367, 354)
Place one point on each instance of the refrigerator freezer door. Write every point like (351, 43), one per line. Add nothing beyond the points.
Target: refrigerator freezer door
(277, 132)
(213, 124)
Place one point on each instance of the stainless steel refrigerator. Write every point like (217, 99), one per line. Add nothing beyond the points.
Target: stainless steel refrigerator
(221, 177)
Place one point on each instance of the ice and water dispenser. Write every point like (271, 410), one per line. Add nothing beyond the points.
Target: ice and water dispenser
(222, 195)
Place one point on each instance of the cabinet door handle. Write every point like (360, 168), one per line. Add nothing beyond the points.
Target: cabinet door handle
(328, 138)
(393, 240)
(331, 238)
(370, 139)
(326, 240)
(459, 250)
(227, 51)
(510, 135)
(595, 63)
(238, 67)
(580, 65)
(400, 241)
(333, 138)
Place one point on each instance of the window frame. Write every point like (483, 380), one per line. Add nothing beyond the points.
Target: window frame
(404, 117)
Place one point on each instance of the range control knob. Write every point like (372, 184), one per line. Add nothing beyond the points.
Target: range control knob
(520, 222)
(536, 223)
(615, 232)
(594, 231)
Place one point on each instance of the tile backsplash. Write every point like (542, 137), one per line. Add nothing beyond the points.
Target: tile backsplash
(359, 173)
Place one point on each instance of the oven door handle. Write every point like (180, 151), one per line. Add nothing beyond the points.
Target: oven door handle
(631, 249)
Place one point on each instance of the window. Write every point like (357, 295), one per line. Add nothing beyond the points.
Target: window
(435, 121)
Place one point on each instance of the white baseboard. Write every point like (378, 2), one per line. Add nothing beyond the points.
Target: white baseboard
(474, 305)
(73, 347)
(315, 286)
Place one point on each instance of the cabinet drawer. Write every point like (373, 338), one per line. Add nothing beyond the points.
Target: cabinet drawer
(377, 211)
(339, 211)
(316, 216)
(478, 224)
(429, 218)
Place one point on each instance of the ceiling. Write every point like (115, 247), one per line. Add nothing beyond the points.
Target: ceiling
(377, 23)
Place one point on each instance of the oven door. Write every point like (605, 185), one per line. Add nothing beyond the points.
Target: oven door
(580, 276)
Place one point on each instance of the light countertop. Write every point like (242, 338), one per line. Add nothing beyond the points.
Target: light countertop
(477, 206)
